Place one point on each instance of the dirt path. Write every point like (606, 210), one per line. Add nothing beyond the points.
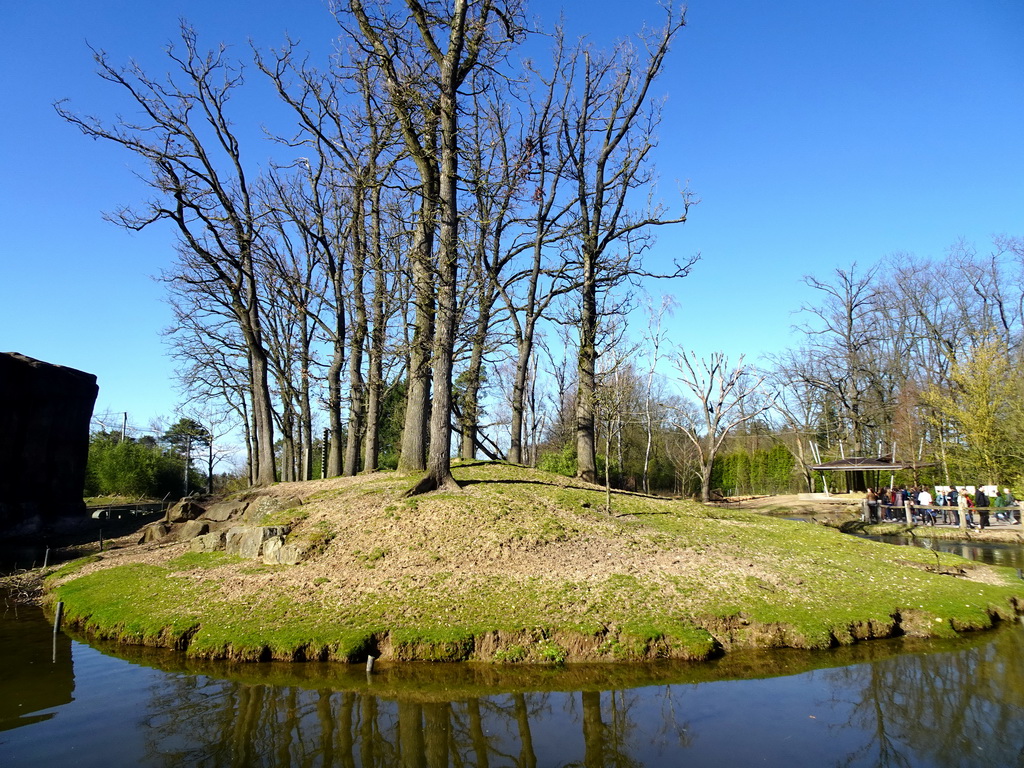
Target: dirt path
(792, 503)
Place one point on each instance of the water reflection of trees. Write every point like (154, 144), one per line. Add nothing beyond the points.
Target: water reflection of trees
(962, 707)
(204, 721)
(944, 709)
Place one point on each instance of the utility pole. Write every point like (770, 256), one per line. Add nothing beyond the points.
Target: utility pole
(188, 459)
(209, 476)
(323, 455)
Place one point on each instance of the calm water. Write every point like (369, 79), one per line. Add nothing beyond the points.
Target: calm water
(1009, 555)
(883, 703)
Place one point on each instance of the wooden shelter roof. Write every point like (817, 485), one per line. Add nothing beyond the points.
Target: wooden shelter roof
(867, 464)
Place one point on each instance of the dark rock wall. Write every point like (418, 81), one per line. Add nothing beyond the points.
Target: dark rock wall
(44, 439)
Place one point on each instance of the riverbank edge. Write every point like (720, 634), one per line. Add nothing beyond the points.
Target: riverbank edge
(149, 605)
(701, 639)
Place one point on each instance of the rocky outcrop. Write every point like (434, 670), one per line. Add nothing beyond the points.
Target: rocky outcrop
(192, 528)
(155, 532)
(209, 542)
(260, 510)
(44, 441)
(231, 526)
(184, 510)
(225, 510)
(247, 541)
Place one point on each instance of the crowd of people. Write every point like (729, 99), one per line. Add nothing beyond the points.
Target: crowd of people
(977, 506)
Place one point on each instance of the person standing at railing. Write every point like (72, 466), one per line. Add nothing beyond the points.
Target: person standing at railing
(962, 509)
(872, 499)
(942, 501)
(924, 499)
(1012, 507)
(981, 504)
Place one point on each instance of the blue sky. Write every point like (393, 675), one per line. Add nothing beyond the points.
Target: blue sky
(815, 134)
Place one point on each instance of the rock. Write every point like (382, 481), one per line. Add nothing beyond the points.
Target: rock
(233, 539)
(278, 551)
(251, 542)
(292, 554)
(155, 532)
(258, 511)
(182, 511)
(210, 542)
(192, 528)
(247, 541)
(225, 510)
(272, 550)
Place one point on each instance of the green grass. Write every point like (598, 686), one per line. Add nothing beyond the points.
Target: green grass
(708, 580)
(115, 501)
(205, 560)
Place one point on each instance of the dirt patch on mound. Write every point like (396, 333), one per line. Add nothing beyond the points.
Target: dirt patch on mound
(792, 504)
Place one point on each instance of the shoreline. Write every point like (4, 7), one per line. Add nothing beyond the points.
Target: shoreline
(523, 567)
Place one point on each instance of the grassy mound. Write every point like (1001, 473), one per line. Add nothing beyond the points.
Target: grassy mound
(523, 566)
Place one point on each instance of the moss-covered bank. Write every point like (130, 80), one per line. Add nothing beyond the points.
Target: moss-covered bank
(521, 566)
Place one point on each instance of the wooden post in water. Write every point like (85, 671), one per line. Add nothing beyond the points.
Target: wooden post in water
(57, 617)
(369, 664)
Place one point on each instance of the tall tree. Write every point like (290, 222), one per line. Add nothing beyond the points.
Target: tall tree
(844, 333)
(425, 64)
(195, 166)
(983, 409)
(529, 292)
(353, 157)
(607, 132)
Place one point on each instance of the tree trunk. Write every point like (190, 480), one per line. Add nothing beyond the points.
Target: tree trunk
(470, 421)
(439, 473)
(417, 404)
(334, 453)
(705, 480)
(586, 455)
(375, 365)
(263, 417)
(375, 375)
(524, 349)
(356, 398)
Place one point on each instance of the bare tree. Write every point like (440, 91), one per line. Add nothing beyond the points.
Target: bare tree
(425, 64)
(182, 130)
(798, 411)
(844, 334)
(546, 203)
(212, 370)
(607, 132)
(342, 217)
(656, 339)
(723, 398)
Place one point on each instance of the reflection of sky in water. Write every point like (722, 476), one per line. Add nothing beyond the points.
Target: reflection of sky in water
(937, 707)
(897, 711)
(778, 721)
(100, 726)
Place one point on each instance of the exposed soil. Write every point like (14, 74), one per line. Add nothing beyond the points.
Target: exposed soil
(792, 504)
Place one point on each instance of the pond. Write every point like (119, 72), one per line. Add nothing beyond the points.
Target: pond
(993, 553)
(900, 702)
